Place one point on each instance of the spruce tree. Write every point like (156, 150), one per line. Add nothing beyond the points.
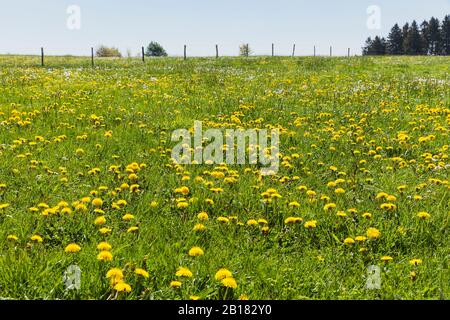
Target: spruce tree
(395, 41)
(378, 46)
(434, 37)
(405, 30)
(445, 36)
(367, 46)
(154, 49)
(413, 42)
(425, 36)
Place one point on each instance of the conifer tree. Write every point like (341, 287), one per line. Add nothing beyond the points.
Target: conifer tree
(395, 41)
(444, 44)
(413, 41)
(425, 36)
(434, 37)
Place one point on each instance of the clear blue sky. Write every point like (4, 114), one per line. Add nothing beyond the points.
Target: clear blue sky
(26, 25)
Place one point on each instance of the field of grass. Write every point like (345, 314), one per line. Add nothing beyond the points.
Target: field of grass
(86, 179)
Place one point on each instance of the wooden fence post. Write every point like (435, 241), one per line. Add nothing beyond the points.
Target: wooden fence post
(184, 52)
(273, 50)
(348, 52)
(42, 56)
(143, 54)
(331, 51)
(92, 57)
(293, 50)
(217, 51)
(314, 51)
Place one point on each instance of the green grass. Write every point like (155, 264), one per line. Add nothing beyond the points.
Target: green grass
(342, 112)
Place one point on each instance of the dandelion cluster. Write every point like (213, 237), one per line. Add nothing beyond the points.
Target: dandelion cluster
(87, 178)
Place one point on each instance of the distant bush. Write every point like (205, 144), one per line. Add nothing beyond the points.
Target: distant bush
(154, 49)
(244, 50)
(104, 51)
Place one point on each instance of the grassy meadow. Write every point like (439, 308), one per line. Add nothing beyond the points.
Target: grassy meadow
(87, 179)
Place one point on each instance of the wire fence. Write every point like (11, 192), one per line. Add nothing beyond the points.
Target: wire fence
(143, 56)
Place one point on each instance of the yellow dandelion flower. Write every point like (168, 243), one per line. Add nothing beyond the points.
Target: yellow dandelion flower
(386, 258)
(373, 233)
(331, 184)
(105, 255)
(97, 202)
(262, 221)
(223, 219)
(199, 227)
(66, 210)
(141, 272)
(121, 203)
(122, 287)
(415, 262)
(4, 205)
(391, 198)
(128, 217)
(182, 205)
(105, 230)
(183, 272)
(265, 230)
(310, 224)
(183, 190)
(12, 237)
(85, 200)
(382, 195)
(341, 214)
(104, 246)
(292, 220)
(367, 215)
(195, 252)
(115, 273)
(229, 283)
(349, 241)
(100, 221)
(175, 284)
(72, 248)
(153, 204)
(329, 206)
(294, 204)
(202, 216)
(37, 238)
(133, 177)
(423, 215)
(132, 229)
(80, 207)
(43, 205)
(222, 274)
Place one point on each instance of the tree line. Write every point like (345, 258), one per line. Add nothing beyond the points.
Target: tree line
(430, 38)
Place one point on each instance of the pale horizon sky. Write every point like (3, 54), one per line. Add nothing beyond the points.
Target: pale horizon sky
(27, 25)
